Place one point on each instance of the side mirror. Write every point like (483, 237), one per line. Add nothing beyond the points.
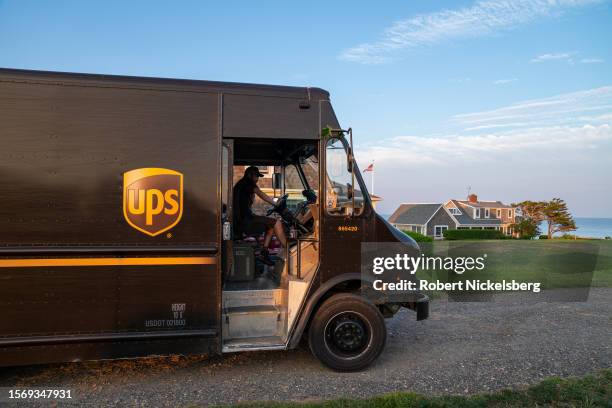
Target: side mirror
(277, 181)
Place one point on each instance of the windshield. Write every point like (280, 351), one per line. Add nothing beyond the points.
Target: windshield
(302, 180)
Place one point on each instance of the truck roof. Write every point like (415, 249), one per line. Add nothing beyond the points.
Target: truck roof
(188, 85)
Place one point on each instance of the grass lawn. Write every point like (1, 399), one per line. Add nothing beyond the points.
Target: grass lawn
(553, 263)
(589, 391)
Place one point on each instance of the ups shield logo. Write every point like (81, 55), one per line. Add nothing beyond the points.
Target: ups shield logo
(152, 199)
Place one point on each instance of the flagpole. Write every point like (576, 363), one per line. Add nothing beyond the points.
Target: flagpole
(373, 169)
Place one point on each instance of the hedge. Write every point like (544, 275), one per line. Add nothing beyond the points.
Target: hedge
(418, 237)
(457, 234)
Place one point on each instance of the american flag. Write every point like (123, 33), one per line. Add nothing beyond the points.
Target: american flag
(369, 168)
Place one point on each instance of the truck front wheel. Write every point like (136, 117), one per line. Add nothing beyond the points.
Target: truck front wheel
(347, 333)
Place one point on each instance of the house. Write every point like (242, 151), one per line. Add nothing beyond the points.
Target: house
(375, 199)
(433, 219)
(428, 219)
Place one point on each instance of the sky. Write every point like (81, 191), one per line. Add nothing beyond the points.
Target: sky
(509, 99)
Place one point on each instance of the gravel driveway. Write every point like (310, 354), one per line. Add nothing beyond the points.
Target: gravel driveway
(463, 348)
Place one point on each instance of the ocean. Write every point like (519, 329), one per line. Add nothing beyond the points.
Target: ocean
(590, 227)
(587, 227)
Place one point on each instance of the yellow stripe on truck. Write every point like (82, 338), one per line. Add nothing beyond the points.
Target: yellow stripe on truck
(31, 263)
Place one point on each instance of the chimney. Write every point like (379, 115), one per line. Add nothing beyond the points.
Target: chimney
(473, 198)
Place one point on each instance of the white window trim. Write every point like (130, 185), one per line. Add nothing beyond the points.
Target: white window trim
(477, 213)
(487, 213)
(510, 213)
(454, 211)
(499, 213)
(442, 227)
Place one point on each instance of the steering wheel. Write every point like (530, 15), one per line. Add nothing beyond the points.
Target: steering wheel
(279, 207)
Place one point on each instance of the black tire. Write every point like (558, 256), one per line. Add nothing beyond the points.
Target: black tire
(347, 333)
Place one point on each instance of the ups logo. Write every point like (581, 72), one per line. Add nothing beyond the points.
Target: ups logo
(152, 199)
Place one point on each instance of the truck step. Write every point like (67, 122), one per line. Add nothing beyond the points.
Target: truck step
(254, 343)
(248, 298)
(253, 321)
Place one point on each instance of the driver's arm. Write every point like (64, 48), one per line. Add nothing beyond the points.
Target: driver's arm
(264, 196)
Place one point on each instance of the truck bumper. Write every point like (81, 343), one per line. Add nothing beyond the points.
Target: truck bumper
(422, 308)
(420, 305)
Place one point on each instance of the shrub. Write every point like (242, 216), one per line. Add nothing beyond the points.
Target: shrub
(418, 237)
(526, 228)
(544, 236)
(607, 238)
(473, 234)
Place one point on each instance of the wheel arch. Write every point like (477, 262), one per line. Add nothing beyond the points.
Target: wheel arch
(344, 283)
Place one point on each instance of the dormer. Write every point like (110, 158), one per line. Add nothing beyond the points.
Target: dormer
(453, 209)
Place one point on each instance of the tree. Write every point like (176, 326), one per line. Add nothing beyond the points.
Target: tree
(558, 217)
(553, 212)
(527, 228)
(532, 209)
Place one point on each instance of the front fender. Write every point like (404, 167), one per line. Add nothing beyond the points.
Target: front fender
(313, 302)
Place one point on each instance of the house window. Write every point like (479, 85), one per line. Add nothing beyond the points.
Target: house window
(509, 213)
(455, 211)
(487, 213)
(477, 213)
(439, 230)
(499, 214)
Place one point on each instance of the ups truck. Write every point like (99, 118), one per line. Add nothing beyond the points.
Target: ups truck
(117, 238)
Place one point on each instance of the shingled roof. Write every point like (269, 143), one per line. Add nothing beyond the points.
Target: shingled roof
(484, 204)
(417, 214)
(466, 219)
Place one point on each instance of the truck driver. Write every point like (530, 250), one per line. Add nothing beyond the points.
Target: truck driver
(245, 221)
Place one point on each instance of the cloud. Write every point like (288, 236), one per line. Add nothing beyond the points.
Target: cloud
(504, 81)
(571, 162)
(565, 56)
(564, 109)
(535, 149)
(483, 18)
(452, 150)
(591, 61)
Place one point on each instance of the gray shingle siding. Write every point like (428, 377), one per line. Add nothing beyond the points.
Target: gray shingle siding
(440, 218)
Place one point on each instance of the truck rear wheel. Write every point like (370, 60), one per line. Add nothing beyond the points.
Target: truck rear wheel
(347, 333)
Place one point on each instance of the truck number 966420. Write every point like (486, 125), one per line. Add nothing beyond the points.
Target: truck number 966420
(348, 228)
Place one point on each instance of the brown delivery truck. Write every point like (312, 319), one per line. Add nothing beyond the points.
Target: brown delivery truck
(117, 237)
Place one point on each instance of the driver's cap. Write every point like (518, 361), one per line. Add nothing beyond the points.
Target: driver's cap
(253, 170)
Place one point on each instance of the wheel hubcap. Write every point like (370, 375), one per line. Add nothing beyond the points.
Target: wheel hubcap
(347, 335)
